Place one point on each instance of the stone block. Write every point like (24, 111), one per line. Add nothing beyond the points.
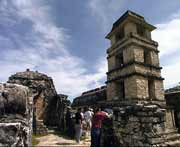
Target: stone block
(111, 91)
(159, 89)
(138, 54)
(130, 87)
(14, 134)
(155, 58)
(16, 115)
(130, 28)
(128, 55)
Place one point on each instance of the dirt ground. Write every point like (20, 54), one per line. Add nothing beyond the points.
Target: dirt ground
(56, 140)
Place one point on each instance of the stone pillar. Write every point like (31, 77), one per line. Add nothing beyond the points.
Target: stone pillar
(16, 115)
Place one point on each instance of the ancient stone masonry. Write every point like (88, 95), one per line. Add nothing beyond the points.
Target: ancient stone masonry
(92, 98)
(135, 86)
(172, 97)
(15, 115)
(41, 89)
(60, 102)
(46, 101)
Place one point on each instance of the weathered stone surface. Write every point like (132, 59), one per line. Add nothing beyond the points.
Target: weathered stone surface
(13, 99)
(138, 78)
(91, 97)
(132, 129)
(135, 89)
(57, 108)
(48, 106)
(41, 89)
(16, 115)
(172, 97)
(14, 134)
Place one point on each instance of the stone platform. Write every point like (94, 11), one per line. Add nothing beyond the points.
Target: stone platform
(139, 125)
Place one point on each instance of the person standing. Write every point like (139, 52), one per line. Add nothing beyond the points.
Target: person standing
(99, 116)
(78, 125)
(88, 118)
(69, 122)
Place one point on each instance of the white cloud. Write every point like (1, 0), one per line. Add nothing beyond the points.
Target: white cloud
(42, 47)
(104, 11)
(168, 35)
(171, 74)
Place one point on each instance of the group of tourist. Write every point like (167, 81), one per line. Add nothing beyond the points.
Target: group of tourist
(88, 122)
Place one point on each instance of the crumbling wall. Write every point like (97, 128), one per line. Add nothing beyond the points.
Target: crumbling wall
(15, 115)
(57, 109)
(139, 125)
(41, 89)
(49, 107)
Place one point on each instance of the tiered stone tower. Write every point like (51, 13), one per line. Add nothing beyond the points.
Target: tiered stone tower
(135, 86)
(133, 61)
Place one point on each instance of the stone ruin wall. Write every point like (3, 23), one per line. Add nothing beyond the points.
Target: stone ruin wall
(135, 88)
(18, 98)
(92, 98)
(172, 97)
(41, 89)
(15, 115)
(48, 104)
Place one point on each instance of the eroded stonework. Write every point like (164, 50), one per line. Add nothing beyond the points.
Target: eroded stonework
(41, 89)
(135, 86)
(135, 89)
(48, 106)
(15, 115)
(92, 97)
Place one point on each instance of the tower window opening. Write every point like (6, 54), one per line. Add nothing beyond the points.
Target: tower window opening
(119, 60)
(141, 30)
(151, 89)
(147, 57)
(120, 89)
(120, 34)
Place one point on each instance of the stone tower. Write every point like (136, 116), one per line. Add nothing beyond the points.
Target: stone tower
(133, 62)
(135, 86)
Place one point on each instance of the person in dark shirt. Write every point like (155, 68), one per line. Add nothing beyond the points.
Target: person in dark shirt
(69, 122)
(99, 116)
(78, 125)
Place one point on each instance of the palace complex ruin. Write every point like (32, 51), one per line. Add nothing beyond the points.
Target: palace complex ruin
(47, 103)
(29, 99)
(143, 115)
(135, 89)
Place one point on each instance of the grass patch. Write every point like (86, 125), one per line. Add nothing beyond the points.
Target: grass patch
(35, 137)
(35, 141)
(65, 143)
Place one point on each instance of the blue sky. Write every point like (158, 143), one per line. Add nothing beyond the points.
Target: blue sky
(66, 38)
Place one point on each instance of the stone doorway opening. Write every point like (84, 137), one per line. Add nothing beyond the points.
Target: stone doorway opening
(39, 105)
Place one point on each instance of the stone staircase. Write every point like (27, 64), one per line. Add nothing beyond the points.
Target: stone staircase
(41, 128)
(172, 139)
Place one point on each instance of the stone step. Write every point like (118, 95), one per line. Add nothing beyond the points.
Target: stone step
(41, 128)
(172, 137)
(173, 143)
